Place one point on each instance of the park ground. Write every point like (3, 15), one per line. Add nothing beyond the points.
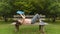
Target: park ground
(52, 28)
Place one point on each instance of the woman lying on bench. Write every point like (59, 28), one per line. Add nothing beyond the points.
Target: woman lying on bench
(24, 20)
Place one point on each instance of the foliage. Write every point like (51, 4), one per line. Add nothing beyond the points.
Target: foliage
(50, 8)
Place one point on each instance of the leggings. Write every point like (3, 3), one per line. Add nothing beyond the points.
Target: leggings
(36, 17)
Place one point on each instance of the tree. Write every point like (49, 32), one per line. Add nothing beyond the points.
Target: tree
(5, 9)
(49, 8)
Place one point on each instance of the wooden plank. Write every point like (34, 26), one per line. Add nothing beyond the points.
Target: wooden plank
(27, 16)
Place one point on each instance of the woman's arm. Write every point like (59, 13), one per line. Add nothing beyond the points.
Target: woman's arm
(23, 16)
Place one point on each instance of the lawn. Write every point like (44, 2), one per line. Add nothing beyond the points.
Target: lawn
(52, 28)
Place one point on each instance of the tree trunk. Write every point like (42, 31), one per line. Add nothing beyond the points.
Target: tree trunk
(5, 18)
(54, 18)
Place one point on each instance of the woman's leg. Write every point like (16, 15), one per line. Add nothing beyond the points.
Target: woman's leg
(35, 18)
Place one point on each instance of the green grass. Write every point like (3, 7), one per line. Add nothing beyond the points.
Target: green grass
(52, 28)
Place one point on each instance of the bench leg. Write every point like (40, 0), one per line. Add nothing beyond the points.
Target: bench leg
(16, 27)
(41, 29)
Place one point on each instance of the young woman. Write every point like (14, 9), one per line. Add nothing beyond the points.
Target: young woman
(24, 20)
